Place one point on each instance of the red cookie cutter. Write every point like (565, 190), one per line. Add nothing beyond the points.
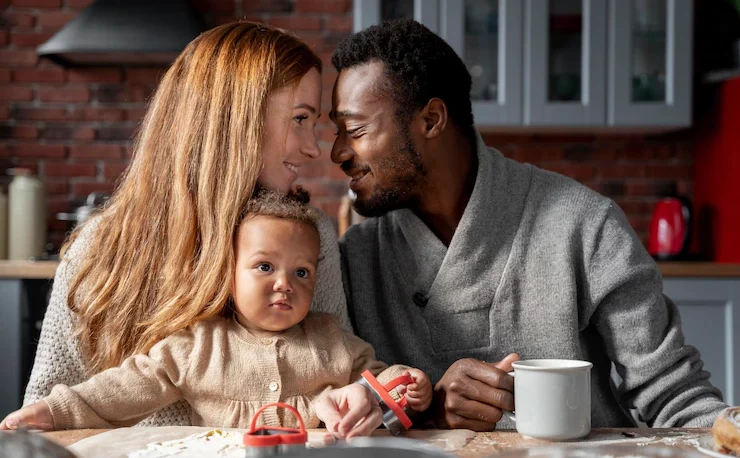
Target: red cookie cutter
(276, 439)
(394, 414)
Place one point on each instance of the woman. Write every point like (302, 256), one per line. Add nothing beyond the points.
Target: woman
(237, 109)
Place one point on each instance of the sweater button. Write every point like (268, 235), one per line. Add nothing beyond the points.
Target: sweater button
(267, 342)
(273, 386)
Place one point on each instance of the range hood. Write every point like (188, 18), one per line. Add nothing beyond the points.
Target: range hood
(125, 32)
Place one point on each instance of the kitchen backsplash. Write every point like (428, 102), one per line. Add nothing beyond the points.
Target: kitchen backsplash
(73, 127)
(635, 171)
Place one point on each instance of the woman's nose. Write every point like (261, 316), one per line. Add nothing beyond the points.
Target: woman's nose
(310, 145)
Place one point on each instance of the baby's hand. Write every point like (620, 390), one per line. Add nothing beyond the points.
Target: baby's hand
(419, 393)
(35, 416)
(349, 411)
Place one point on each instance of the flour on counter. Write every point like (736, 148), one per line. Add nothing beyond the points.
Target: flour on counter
(209, 444)
(689, 439)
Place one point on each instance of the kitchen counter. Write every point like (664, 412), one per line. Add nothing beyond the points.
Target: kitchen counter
(28, 269)
(699, 269)
(46, 269)
(461, 443)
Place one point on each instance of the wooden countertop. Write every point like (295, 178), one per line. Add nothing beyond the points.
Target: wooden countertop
(46, 269)
(699, 269)
(488, 443)
(28, 269)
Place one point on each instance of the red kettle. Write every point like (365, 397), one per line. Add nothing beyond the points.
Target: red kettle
(670, 228)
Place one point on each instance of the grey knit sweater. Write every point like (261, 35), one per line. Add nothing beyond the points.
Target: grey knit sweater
(58, 358)
(539, 265)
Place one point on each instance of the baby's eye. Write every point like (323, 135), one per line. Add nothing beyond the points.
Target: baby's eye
(302, 273)
(264, 267)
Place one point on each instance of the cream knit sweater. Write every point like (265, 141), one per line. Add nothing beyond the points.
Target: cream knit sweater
(226, 374)
(58, 357)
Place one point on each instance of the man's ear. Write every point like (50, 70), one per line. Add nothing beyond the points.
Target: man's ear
(434, 115)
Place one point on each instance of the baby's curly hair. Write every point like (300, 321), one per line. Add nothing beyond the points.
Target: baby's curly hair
(419, 65)
(292, 206)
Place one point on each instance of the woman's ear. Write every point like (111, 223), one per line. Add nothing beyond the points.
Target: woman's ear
(434, 115)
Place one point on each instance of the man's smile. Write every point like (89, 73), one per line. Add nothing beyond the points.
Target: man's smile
(355, 172)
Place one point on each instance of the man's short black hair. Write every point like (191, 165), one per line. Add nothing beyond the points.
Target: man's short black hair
(419, 64)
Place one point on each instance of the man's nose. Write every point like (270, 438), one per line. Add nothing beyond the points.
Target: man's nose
(340, 152)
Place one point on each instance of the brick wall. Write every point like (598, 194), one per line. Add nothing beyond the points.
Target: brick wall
(73, 127)
(633, 170)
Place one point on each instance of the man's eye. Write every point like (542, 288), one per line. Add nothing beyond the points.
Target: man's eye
(264, 267)
(302, 273)
(348, 132)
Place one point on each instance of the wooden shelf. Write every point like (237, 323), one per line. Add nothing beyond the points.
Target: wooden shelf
(699, 269)
(28, 269)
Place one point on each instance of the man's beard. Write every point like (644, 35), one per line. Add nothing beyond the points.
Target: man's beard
(407, 173)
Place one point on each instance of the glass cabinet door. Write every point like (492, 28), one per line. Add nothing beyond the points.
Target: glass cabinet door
(650, 63)
(565, 64)
(487, 35)
(371, 12)
(396, 9)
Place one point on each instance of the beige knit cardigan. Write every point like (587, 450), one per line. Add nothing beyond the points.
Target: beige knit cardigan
(60, 361)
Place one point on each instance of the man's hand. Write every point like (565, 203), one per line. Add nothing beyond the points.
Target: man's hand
(473, 393)
(34, 416)
(419, 393)
(349, 411)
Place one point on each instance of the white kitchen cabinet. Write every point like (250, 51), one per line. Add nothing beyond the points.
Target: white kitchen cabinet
(650, 58)
(371, 12)
(563, 63)
(487, 35)
(710, 318)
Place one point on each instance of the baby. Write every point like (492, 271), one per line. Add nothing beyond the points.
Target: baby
(265, 346)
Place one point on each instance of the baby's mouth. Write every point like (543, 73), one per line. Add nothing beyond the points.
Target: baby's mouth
(281, 305)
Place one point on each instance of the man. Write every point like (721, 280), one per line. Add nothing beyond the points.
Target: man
(469, 257)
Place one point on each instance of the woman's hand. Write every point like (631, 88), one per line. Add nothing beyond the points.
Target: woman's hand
(35, 416)
(419, 393)
(349, 411)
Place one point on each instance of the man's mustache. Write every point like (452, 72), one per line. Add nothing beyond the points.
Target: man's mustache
(350, 167)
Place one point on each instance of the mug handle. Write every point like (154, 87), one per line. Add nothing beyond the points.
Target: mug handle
(508, 414)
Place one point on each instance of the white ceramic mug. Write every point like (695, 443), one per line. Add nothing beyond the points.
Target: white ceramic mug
(552, 398)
